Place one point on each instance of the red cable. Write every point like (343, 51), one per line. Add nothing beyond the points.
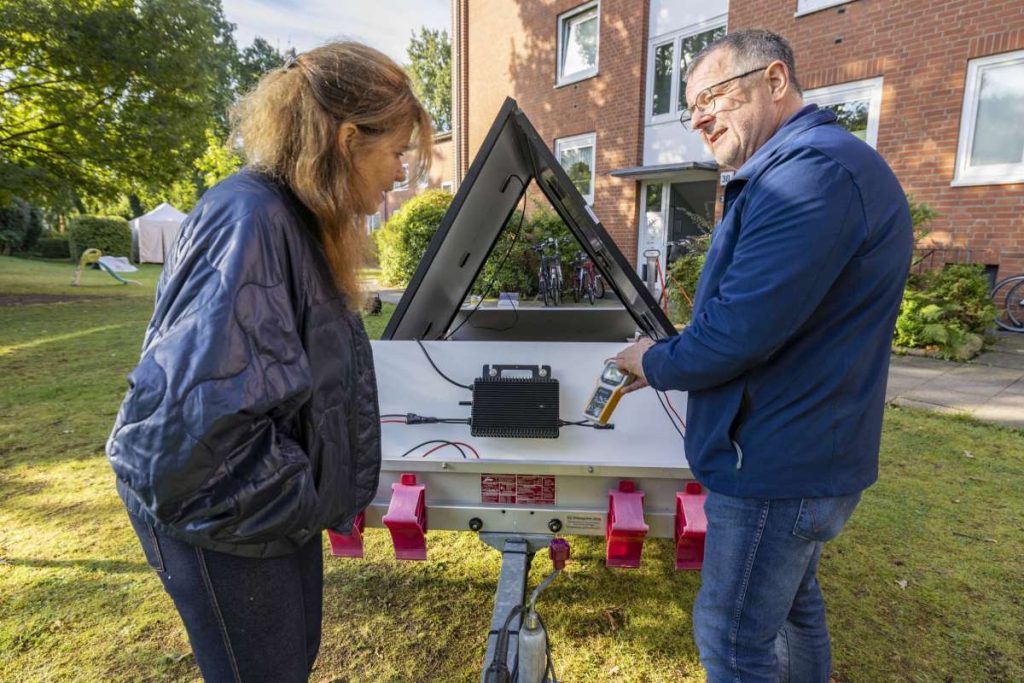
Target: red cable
(451, 443)
(393, 422)
(673, 408)
(663, 298)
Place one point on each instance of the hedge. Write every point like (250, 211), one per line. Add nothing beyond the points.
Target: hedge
(54, 247)
(109, 234)
(517, 272)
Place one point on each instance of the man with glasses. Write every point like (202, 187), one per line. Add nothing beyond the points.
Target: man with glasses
(787, 355)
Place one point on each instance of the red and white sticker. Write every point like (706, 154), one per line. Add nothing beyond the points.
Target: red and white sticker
(517, 489)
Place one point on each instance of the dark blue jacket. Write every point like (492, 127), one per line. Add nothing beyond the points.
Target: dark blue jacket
(787, 356)
(251, 422)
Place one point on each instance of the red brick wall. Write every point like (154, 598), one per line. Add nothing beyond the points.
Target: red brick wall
(511, 50)
(921, 48)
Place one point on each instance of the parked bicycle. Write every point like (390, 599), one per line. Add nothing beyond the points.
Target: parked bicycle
(1008, 296)
(549, 273)
(586, 281)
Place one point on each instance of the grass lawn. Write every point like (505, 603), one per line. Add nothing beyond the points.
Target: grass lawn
(924, 585)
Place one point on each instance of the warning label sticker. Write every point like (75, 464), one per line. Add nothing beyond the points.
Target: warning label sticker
(517, 489)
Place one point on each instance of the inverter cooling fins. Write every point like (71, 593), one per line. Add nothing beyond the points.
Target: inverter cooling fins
(515, 406)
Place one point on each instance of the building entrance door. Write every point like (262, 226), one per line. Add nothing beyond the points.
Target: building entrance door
(672, 211)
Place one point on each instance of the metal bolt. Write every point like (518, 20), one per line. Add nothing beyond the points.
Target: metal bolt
(476, 524)
(555, 525)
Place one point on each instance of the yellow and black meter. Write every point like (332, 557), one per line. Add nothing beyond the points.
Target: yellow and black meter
(607, 393)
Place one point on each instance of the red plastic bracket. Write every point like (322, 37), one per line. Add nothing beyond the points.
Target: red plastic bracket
(407, 518)
(691, 526)
(348, 545)
(625, 531)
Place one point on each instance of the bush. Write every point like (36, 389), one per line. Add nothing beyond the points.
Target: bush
(15, 224)
(518, 271)
(55, 246)
(35, 229)
(683, 276)
(109, 234)
(946, 310)
(404, 238)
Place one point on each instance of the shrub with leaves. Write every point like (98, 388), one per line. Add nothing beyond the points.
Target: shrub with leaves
(54, 246)
(109, 234)
(682, 278)
(948, 311)
(403, 240)
(518, 271)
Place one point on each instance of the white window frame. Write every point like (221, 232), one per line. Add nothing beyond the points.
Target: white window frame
(373, 222)
(811, 6)
(993, 174)
(448, 186)
(565, 79)
(676, 38)
(869, 89)
(576, 142)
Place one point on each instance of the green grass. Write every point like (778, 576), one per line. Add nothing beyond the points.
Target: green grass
(80, 604)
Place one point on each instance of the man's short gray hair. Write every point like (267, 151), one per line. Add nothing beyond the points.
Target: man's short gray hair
(751, 49)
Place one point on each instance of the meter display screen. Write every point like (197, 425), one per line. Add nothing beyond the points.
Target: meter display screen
(611, 374)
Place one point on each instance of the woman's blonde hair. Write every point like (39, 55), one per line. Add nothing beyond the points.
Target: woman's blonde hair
(288, 127)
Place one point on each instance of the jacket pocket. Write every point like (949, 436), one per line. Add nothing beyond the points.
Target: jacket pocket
(737, 425)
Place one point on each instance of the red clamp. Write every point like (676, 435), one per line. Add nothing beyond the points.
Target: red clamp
(558, 549)
(625, 531)
(348, 545)
(407, 518)
(691, 526)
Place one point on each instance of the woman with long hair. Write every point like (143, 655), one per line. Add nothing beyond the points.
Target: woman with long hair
(251, 423)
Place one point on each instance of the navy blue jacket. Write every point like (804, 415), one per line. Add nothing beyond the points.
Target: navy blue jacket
(251, 422)
(787, 356)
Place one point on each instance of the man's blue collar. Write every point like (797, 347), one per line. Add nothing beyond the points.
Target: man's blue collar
(808, 117)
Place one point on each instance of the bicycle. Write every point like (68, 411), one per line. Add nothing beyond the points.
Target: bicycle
(1008, 296)
(549, 273)
(586, 281)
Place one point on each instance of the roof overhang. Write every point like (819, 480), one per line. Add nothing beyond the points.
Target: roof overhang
(682, 172)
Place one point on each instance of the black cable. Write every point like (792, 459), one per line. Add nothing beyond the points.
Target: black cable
(442, 441)
(669, 415)
(446, 377)
(585, 423)
(515, 240)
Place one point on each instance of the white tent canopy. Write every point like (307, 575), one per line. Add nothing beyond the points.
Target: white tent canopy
(154, 233)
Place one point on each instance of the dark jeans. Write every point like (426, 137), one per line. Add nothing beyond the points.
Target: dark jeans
(760, 616)
(247, 619)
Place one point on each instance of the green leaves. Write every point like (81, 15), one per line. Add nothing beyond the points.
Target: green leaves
(430, 69)
(96, 95)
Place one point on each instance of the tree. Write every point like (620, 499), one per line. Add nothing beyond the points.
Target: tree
(430, 69)
(253, 62)
(95, 95)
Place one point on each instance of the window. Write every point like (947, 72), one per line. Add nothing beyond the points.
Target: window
(404, 185)
(991, 147)
(669, 61)
(373, 222)
(856, 105)
(808, 6)
(576, 155)
(448, 186)
(577, 43)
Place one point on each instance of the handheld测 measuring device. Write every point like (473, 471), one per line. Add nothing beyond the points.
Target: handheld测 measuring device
(610, 385)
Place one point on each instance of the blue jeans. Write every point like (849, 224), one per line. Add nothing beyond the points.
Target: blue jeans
(247, 619)
(760, 615)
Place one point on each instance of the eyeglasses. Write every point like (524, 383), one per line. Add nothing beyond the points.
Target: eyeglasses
(706, 100)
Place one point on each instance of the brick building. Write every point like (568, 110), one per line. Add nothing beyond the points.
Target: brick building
(937, 87)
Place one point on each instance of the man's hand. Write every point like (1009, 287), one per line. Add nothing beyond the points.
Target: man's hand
(630, 359)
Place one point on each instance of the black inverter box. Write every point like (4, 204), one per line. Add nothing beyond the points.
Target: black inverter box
(508, 404)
